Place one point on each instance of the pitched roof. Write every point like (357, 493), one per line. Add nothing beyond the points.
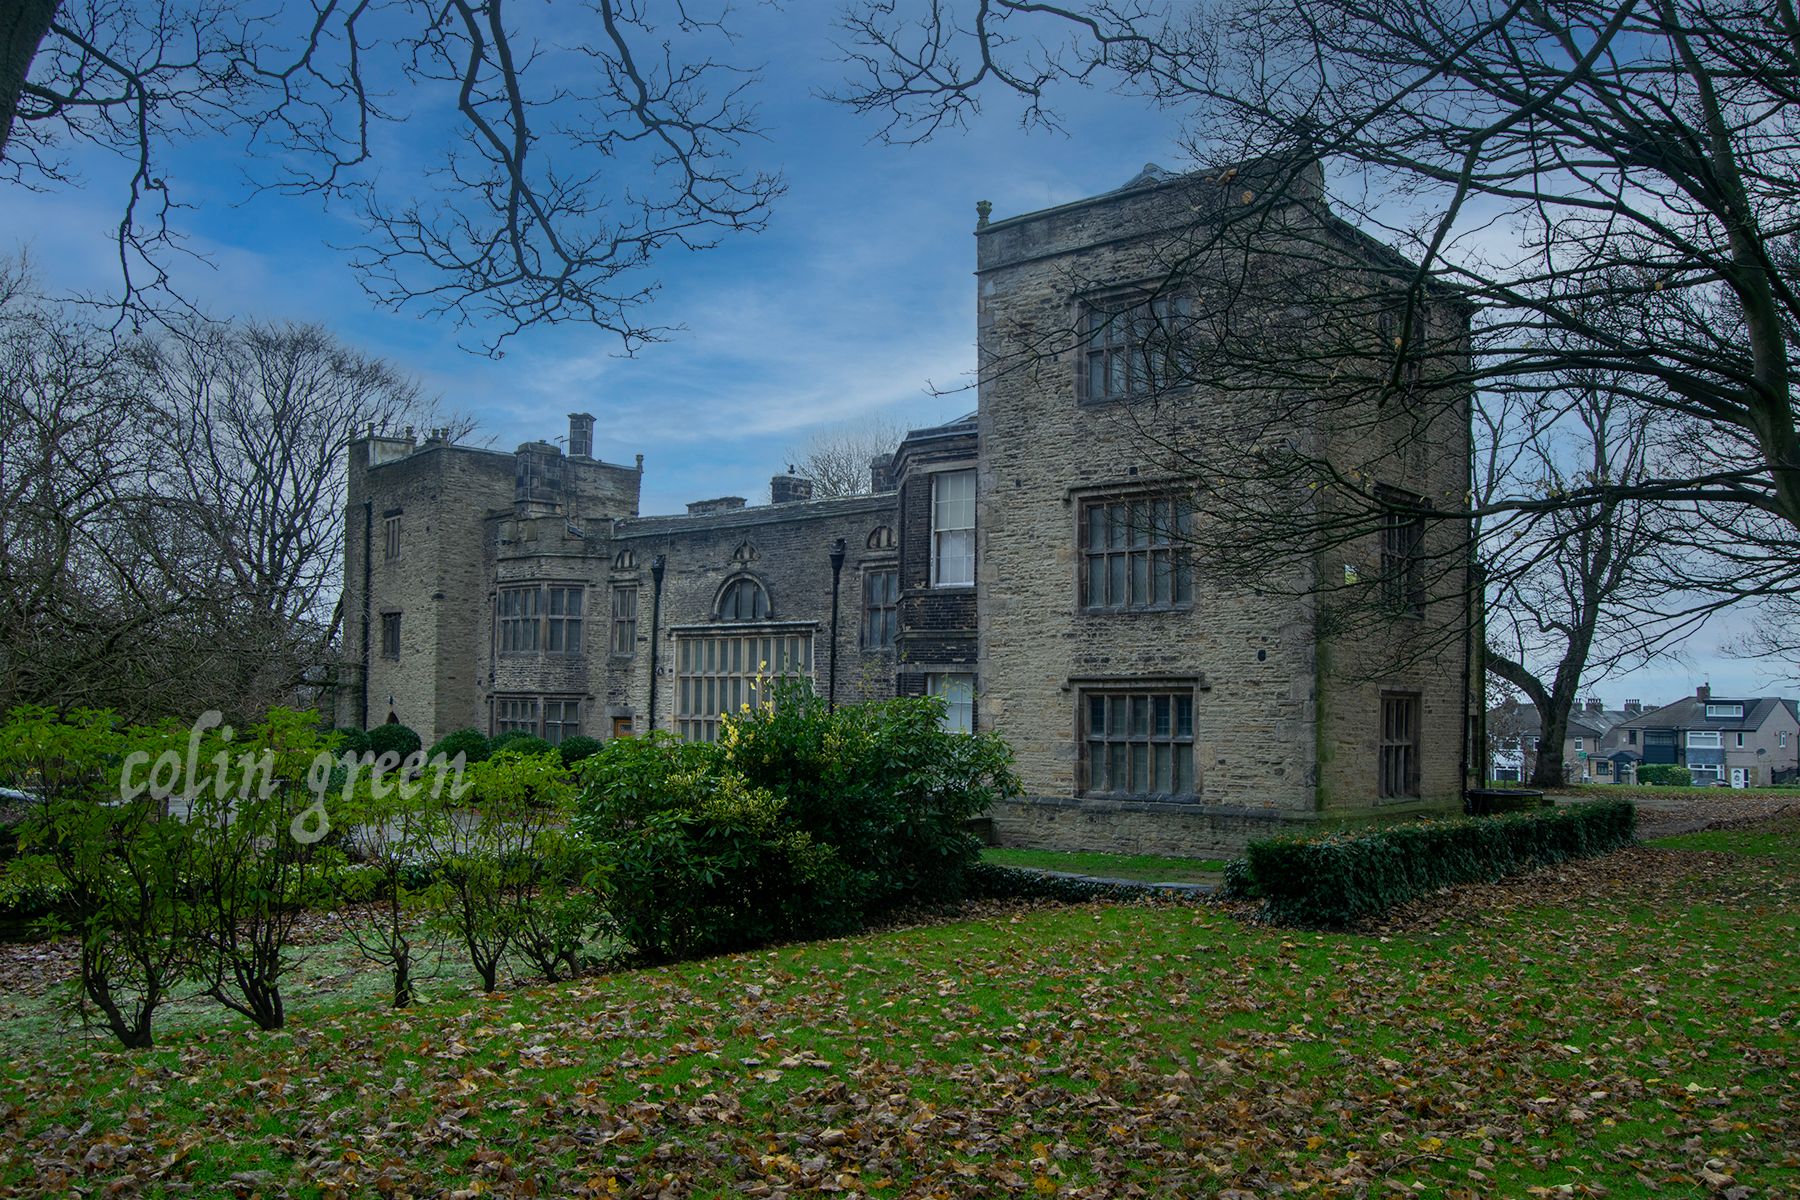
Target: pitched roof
(1689, 712)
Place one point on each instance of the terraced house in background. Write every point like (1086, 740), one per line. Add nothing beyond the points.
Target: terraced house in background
(1034, 564)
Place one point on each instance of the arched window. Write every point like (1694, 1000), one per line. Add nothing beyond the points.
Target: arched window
(881, 538)
(627, 561)
(743, 600)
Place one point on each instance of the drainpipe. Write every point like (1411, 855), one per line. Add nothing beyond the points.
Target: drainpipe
(837, 571)
(368, 538)
(657, 566)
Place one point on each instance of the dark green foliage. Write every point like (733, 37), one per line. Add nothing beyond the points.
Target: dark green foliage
(1665, 775)
(472, 744)
(1237, 884)
(515, 742)
(695, 861)
(800, 822)
(1343, 879)
(991, 881)
(574, 749)
(393, 739)
(1487, 802)
(352, 740)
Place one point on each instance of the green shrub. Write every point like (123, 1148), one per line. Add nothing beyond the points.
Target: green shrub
(352, 740)
(576, 748)
(1237, 884)
(1665, 775)
(472, 744)
(515, 742)
(800, 822)
(1341, 880)
(393, 739)
(695, 861)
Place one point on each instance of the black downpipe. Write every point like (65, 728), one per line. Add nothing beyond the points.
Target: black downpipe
(657, 565)
(368, 539)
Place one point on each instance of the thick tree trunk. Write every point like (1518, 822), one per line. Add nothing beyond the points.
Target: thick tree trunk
(23, 25)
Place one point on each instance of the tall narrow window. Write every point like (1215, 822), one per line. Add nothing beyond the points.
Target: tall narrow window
(953, 529)
(562, 719)
(957, 691)
(562, 620)
(1402, 552)
(624, 621)
(1138, 743)
(1399, 766)
(390, 536)
(1133, 554)
(390, 635)
(881, 599)
(518, 611)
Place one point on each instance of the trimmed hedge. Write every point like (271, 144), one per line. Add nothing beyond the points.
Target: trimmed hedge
(1344, 879)
(472, 744)
(991, 881)
(1664, 775)
(393, 739)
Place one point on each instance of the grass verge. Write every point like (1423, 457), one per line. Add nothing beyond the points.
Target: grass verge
(1622, 1026)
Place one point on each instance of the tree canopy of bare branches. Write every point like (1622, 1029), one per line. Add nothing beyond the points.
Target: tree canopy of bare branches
(171, 510)
(564, 149)
(837, 460)
(1603, 186)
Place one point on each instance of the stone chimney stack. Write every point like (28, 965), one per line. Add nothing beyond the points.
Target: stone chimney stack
(881, 473)
(721, 504)
(1595, 704)
(538, 479)
(789, 488)
(1634, 708)
(581, 435)
(1703, 692)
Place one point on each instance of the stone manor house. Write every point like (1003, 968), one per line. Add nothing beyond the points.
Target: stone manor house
(1026, 563)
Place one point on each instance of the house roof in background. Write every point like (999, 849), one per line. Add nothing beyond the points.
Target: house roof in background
(1689, 712)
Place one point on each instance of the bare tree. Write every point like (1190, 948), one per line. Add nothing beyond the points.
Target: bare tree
(582, 144)
(838, 460)
(1575, 593)
(171, 511)
(1533, 167)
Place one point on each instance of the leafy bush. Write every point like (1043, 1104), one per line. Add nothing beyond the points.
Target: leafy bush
(577, 748)
(526, 744)
(1343, 879)
(1237, 884)
(1665, 775)
(393, 739)
(472, 744)
(696, 861)
(800, 822)
(352, 740)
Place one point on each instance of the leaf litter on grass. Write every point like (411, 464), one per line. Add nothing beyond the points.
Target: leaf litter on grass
(1617, 1027)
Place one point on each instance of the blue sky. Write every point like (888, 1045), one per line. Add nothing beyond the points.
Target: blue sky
(858, 300)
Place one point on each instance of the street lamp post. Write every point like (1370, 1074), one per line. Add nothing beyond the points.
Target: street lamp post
(837, 571)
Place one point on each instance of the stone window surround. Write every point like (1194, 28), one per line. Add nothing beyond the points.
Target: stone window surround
(1079, 686)
(390, 634)
(729, 590)
(1117, 295)
(540, 703)
(1402, 550)
(1407, 788)
(621, 621)
(541, 615)
(1080, 500)
(869, 571)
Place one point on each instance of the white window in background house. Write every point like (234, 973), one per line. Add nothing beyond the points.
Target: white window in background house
(957, 691)
(1724, 710)
(953, 529)
(1704, 739)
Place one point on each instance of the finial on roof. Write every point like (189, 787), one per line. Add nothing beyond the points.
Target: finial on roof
(983, 210)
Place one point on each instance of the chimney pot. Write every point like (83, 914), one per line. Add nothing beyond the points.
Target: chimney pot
(1703, 692)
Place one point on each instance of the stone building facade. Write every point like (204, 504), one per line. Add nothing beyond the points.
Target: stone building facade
(1029, 563)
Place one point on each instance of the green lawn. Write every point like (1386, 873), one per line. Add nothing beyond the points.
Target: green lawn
(1631, 1035)
(1150, 868)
